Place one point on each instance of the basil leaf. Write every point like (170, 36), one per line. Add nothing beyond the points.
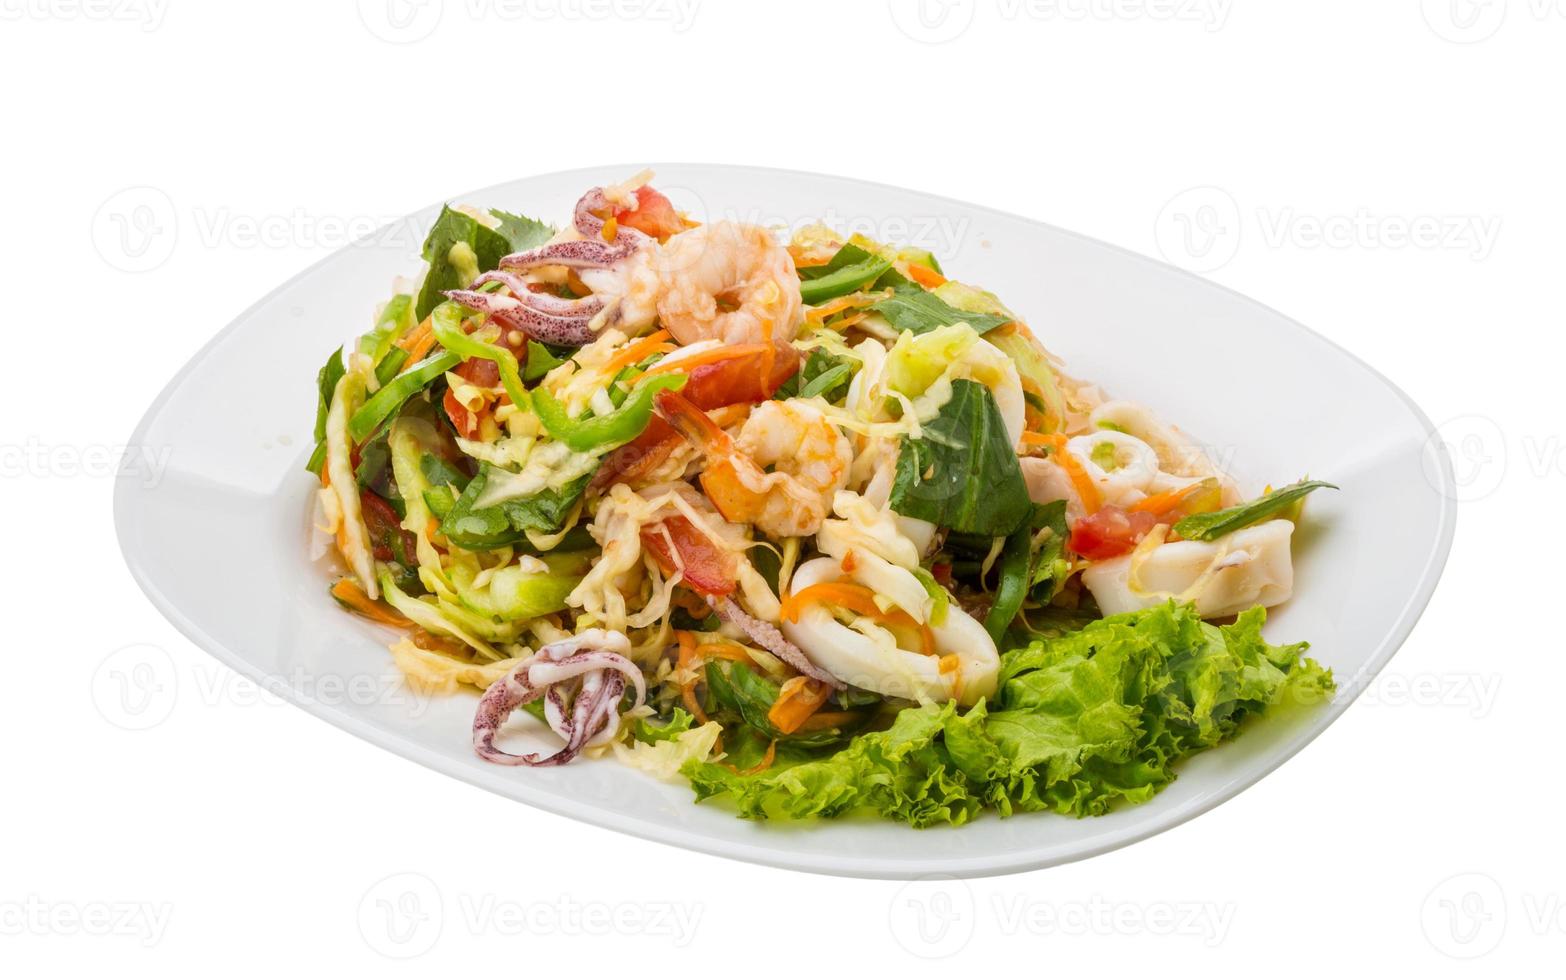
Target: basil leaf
(915, 308)
(823, 374)
(1050, 567)
(1013, 587)
(540, 361)
(451, 229)
(963, 473)
(1210, 527)
(440, 473)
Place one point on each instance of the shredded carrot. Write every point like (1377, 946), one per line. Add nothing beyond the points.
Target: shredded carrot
(822, 720)
(347, 592)
(1085, 487)
(419, 342)
(722, 651)
(805, 258)
(651, 344)
(708, 357)
(925, 276)
(1162, 503)
(687, 663)
(859, 599)
(951, 664)
(798, 699)
(849, 320)
(818, 313)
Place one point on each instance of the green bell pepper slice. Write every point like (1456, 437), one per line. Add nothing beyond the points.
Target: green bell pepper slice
(604, 431)
(384, 403)
(446, 323)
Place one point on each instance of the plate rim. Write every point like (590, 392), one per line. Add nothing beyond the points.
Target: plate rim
(837, 865)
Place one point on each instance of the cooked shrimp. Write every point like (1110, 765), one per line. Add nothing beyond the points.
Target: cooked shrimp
(728, 282)
(808, 456)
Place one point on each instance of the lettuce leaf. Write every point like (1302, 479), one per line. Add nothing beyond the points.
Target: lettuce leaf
(963, 474)
(1080, 724)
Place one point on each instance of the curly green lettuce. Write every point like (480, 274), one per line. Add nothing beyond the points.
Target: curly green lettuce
(1080, 724)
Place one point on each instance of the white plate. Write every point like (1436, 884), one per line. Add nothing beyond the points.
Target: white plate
(219, 543)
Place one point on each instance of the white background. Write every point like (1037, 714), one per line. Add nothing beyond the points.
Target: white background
(1388, 173)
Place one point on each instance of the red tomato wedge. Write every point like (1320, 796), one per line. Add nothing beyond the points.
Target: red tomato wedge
(735, 381)
(708, 568)
(654, 215)
(1110, 532)
(385, 527)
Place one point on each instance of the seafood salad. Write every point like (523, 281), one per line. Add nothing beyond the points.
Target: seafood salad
(797, 519)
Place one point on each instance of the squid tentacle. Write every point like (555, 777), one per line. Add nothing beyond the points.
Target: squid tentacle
(598, 674)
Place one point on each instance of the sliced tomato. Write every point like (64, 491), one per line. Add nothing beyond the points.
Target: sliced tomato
(738, 380)
(654, 215)
(708, 568)
(481, 372)
(1110, 532)
(387, 536)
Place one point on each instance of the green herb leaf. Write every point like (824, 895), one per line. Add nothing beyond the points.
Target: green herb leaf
(963, 474)
(1013, 587)
(911, 307)
(453, 229)
(1214, 525)
(521, 233)
(823, 373)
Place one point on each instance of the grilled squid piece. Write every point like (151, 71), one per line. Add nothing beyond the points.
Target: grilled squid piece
(582, 680)
(625, 288)
(881, 666)
(1250, 567)
(1179, 459)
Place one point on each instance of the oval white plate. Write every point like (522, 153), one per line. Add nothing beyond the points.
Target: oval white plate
(219, 542)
